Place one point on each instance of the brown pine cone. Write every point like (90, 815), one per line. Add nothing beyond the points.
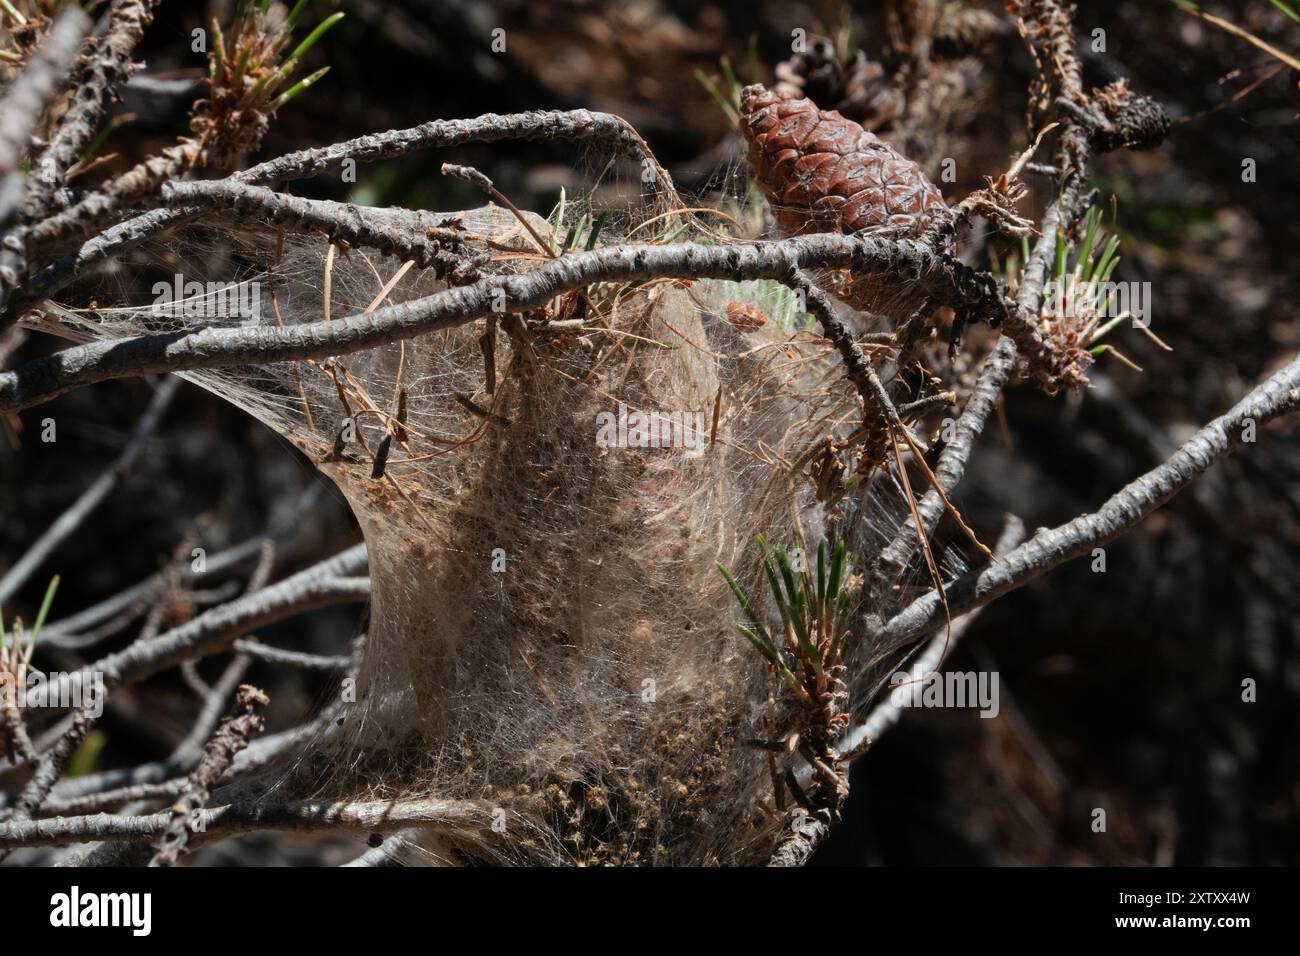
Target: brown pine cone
(821, 172)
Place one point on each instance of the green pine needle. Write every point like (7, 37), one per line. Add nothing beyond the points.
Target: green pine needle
(1285, 7)
(86, 756)
(595, 230)
(299, 87)
(322, 28)
(745, 605)
(293, 14)
(45, 608)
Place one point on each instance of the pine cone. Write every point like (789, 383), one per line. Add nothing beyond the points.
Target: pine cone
(1130, 121)
(821, 172)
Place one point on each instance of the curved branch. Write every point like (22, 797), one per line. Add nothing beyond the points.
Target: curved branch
(318, 586)
(855, 741)
(29, 96)
(25, 102)
(402, 233)
(943, 279)
(102, 73)
(67, 523)
(538, 125)
(375, 816)
(996, 372)
(1050, 548)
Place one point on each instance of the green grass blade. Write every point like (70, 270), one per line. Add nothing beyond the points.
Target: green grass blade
(576, 232)
(783, 562)
(839, 567)
(97, 143)
(792, 682)
(569, 237)
(672, 234)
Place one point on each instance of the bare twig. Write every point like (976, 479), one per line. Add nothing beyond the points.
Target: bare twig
(49, 768)
(68, 522)
(75, 632)
(1000, 365)
(230, 739)
(479, 180)
(318, 586)
(375, 816)
(855, 741)
(102, 72)
(804, 832)
(278, 655)
(404, 233)
(857, 365)
(489, 128)
(389, 853)
(26, 101)
(164, 779)
(562, 125)
(103, 69)
(941, 278)
(1050, 548)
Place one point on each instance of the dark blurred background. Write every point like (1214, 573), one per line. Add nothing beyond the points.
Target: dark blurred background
(1120, 690)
